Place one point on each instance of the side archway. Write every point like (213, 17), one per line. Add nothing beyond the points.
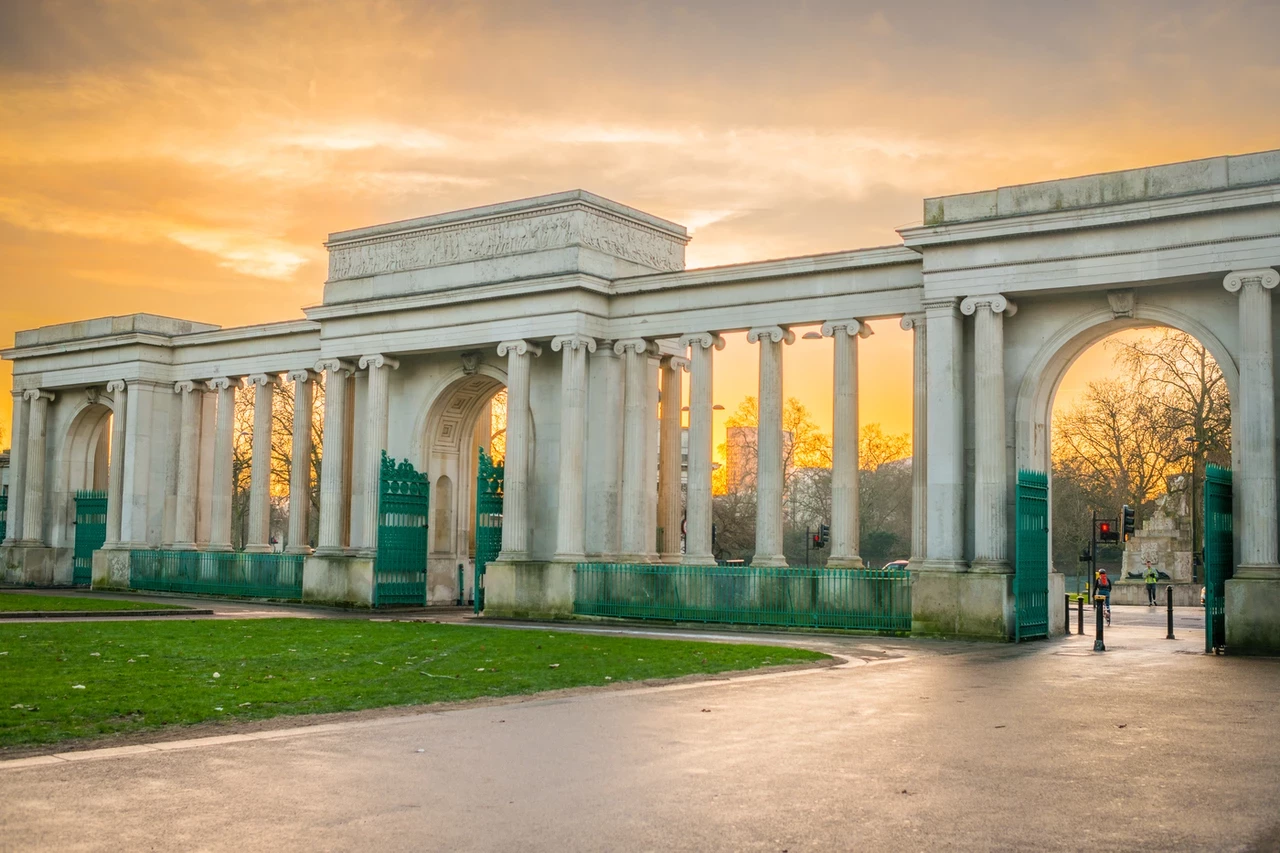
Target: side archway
(81, 462)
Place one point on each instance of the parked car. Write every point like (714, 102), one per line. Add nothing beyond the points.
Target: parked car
(896, 564)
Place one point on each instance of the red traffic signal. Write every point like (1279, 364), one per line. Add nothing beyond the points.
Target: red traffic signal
(1104, 527)
(817, 540)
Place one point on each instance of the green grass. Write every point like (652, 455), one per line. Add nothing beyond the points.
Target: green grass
(78, 680)
(10, 601)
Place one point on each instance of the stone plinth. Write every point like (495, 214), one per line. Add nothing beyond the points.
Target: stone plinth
(340, 581)
(25, 565)
(528, 590)
(1253, 616)
(968, 605)
(1164, 543)
(111, 568)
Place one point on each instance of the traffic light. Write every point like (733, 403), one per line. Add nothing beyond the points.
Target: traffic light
(1106, 533)
(825, 532)
(1126, 515)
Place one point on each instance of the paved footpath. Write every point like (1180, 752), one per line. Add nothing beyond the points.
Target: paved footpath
(910, 745)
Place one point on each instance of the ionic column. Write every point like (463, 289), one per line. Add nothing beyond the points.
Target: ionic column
(17, 467)
(990, 457)
(515, 485)
(604, 500)
(635, 478)
(945, 436)
(258, 536)
(845, 528)
(115, 471)
(300, 463)
(333, 473)
(33, 499)
(697, 539)
(669, 458)
(379, 367)
(223, 459)
(770, 476)
(919, 434)
(192, 402)
(1257, 420)
(571, 533)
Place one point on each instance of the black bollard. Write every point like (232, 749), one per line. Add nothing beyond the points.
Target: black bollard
(1080, 615)
(1168, 597)
(1098, 645)
(1066, 609)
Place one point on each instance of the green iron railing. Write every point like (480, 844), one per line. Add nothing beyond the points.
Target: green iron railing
(489, 481)
(1219, 563)
(400, 571)
(231, 573)
(4, 517)
(851, 599)
(91, 533)
(1031, 556)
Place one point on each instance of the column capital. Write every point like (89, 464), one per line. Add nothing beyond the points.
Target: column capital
(221, 383)
(115, 385)
(638, 345)
(706, 340)
(519, 347)
(573, 342)
(914, 320)
(997, 302)
(377, 360)
(303, 375)
(334, 365)
(777, 334)
(272, 379)
(675, 362)
(34, 394)
(186, 386)
(852, 328)
(1265, 277)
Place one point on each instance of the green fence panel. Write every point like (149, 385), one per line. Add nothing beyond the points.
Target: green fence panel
(1219, 562)
(1031, 556)
(230, 573)
(852, 599)
(488, 522)
(400, 571)
(4, 517)
(91, 533)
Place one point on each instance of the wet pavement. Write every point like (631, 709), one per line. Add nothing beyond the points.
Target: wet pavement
(909, 745)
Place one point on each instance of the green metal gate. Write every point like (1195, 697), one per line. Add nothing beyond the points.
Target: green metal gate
(1218, 557)
(91, 533)
(1031, 557)
(488, 521)
(4, 517)
(400, 571)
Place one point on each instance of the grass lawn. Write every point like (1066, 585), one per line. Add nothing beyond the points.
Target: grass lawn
(76, 680)
(11, 601)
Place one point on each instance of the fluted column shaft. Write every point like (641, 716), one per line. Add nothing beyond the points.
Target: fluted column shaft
(945, 414)
(379, 399)
(515, 484)
(333, 471)
(259, 533)
(698, 547)
(300, 463)
(845, 509)
(770, 474)
(191, 404)
(17, 467)
(115, 471)
(571, 532)
(223, 459)
(919, 433)
(990, 457)
(1257, 483)
(605, 448)
(33, 499)
(669, 509)
(635, 415)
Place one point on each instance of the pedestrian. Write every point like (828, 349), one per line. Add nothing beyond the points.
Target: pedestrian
(1151, 576)
(1104, 590)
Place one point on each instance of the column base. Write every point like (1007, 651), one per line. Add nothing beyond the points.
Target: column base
(940, 566)
(968, 605)
(35, 565)
(1258, 571)
(770, 561)
(219, 548)
(304, 550)
(258, 549)
(698, 560)
(528, 589)
(1253, 615)
(182, 546)
(854, 562)
(513, 557)
(338, 580)
(991, 567)
(111, 568)
(569, 558)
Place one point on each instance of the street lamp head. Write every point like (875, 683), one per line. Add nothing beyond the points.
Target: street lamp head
(717, 408)
(811, 336)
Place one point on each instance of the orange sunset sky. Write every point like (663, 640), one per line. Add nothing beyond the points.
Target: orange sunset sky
(189, 158)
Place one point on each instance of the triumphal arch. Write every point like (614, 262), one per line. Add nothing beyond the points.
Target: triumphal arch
(583, 311)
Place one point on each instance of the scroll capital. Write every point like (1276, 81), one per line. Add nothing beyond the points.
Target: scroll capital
(186, 386)
(706, 340)
(638, 345)
(777, 334)
(330, 366)
(34, 394)
(222, 383)
(573, 342)
(375, 361)
(995, 301)
(265, 379)
(115, 386)
(852, 328)
(519, 347)
(303, 375)
(1266, 278)
(914, 320)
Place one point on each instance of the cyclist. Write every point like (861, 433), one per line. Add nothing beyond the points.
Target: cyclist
(1104, 590)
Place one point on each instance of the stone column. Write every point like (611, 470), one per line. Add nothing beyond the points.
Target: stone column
(300, 463)
(333, 473)
(1257, 420)
(571, 534)
(17, 467)
(697, 540)
(515, 486)
(115, 471)
(919, 434)
(223, 459)
(669, 453)
(945, 436)
(770, 461)
(379, 367)
(845, 527)
(257, 540)
(604, 442)
(33, 497)
(635, 478)
(184, 533)
(991, 456)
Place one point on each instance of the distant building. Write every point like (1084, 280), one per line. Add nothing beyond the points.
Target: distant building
(740, 457)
